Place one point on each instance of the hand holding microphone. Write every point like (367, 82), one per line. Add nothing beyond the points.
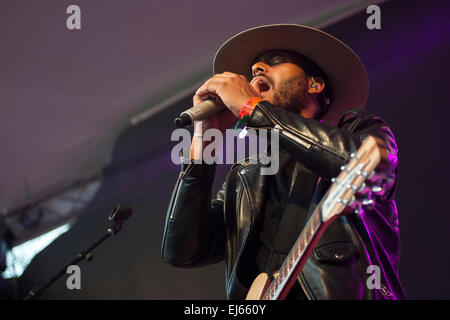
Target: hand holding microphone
(229, 90)
(198, 112)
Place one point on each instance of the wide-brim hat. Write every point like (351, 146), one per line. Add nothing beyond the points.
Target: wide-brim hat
(342, 66)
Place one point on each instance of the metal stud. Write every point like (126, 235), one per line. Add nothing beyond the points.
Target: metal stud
(339, 256)
(277, 128)
(377, 189)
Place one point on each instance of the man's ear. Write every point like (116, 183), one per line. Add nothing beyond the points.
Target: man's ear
(316, 85)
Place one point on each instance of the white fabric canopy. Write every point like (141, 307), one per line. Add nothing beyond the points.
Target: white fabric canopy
(66, 94)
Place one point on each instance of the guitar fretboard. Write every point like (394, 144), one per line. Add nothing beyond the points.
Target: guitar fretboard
(340, 193)
(291, 262)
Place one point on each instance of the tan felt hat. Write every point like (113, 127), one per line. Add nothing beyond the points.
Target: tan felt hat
(344, 69)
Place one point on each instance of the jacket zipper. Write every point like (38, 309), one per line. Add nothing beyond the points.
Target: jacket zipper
(286, 134)
(177, 192)
(281, 128)
(285, 130)
(238, 205)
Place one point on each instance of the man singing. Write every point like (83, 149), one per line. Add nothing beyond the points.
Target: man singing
(302, 84)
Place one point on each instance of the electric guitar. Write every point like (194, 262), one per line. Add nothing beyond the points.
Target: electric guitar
(357, 178)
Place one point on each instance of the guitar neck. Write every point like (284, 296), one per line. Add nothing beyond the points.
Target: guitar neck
(297, 257)
(340, 193)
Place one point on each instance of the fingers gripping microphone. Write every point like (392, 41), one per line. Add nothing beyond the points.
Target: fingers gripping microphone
(198, 112)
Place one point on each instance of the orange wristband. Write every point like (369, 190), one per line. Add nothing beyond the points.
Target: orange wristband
(247, 110)
(248, 107)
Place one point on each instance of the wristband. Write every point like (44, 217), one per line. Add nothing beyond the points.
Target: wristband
(247, 110)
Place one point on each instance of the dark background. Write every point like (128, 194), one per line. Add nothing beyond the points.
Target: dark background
(407, 63)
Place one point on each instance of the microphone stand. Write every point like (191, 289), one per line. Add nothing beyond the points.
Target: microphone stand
(118, 215)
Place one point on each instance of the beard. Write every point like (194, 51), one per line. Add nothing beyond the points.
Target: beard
(291, 94)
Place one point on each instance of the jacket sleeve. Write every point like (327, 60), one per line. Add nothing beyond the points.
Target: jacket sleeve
(194, 233)
(320, 147)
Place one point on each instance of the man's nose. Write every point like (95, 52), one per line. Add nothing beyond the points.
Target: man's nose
(259, 67)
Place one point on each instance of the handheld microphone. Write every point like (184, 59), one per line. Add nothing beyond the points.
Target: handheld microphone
(198, 112)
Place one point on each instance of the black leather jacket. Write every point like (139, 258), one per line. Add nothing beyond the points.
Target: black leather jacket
(200, 230)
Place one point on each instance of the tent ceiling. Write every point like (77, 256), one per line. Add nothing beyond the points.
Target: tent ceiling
(65, 95)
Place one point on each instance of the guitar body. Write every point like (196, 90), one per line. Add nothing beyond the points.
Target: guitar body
(339, 197)
(259, 287)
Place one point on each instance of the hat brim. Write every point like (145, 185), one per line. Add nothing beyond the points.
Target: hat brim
(344, 69)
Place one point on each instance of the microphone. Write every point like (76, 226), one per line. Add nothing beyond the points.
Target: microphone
(198, 112)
